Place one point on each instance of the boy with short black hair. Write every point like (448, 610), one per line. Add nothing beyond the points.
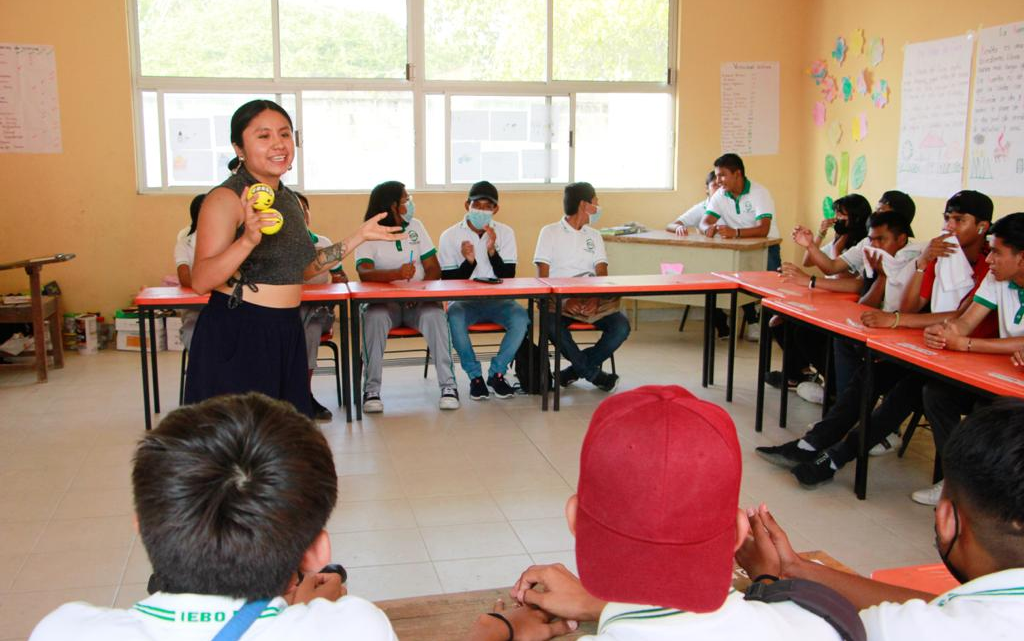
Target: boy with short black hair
(231, 497)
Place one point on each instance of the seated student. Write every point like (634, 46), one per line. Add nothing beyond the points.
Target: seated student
(850, 226)
(184, 256)
(385, 261)
(572, 247)
(851, 260)
(979, 534)
(480, 247)
(694, 216)
(742, 209)
(317, 320)
(656, 524)
(1000, 292)
(231, 498)
(888, 234)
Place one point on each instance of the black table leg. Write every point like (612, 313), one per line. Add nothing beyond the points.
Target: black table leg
(357, 360)
(705, 347)
(732, 345)
(709, 335)
(145, 368)
(542, 351)
(346, 357)
(787, 337)
(152, 353)
(830, 382)
(531, 366)
(558, 352)
(763, 360)
(860, 482)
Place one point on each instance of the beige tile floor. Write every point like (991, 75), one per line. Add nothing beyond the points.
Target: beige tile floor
(430, 502)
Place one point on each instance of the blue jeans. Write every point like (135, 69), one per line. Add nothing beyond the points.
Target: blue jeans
(587, 362)
(507, 313)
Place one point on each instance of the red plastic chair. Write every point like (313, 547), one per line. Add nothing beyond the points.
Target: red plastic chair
(580, 326)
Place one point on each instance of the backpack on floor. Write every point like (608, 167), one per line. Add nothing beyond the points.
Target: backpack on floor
(529, 381)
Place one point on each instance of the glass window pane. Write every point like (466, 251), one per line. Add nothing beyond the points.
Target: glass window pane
(198, 38)
(623, 40)
(624, 140)
(151, 139)
(508, 139)
(435, 139)
(485, 39)
(343, 38)
(353, 140)
(198, 130)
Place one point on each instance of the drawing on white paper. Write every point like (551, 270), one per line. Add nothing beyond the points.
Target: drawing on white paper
(470, 125)
(189, 133)
(465, 161)
(500, 166)
(508, 125)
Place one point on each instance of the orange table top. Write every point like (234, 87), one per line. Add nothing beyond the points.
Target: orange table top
(171, 296)
(836, 313)
(445, 289)
(767, 284)
(991, 372)
(637, 284)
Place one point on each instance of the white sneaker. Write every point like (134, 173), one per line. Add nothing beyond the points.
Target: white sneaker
(449, 398)
(888, 445)
(372, 404)
(753, 332)
(811, 392)
(928, 496)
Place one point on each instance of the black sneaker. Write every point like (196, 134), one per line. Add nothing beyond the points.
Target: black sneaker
(568, 376)
(478, 389)
(605, 381)
(500, 386)
(811, 475)
(774, 378)
(321, 413)
(787, 455)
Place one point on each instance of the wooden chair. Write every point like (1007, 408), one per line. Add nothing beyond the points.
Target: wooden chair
(41, 309)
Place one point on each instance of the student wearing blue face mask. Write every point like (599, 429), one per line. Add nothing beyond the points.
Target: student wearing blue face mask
(481, 248)
(414, 258)
(573, 247)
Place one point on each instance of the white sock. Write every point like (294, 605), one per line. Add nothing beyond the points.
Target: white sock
(805, 446)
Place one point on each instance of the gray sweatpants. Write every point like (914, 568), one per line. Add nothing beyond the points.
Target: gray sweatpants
(428, 318)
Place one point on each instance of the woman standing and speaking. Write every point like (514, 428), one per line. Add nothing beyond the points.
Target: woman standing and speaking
(249, 337)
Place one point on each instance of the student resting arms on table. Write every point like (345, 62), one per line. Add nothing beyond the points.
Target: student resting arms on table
(386, 261)
(1001, 294)
(694, 216)
(979, 535)
(249, 336)
(656, 523)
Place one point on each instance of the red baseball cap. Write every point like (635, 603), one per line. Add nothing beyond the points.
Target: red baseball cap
(658, 493)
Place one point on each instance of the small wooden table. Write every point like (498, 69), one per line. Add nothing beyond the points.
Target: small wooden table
(40, 309)
(448, 617)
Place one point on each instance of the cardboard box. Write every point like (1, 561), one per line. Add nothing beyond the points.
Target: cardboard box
(173, 325)
(88, 338)
(129, 341)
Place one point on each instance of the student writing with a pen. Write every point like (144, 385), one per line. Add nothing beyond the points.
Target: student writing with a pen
(414, 258)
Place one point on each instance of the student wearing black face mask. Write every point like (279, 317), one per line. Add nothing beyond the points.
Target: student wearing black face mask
(979, 534)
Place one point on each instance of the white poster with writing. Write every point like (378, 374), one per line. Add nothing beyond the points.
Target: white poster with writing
(750, 108)
(997, 120)
(933, 116)
(29, 111)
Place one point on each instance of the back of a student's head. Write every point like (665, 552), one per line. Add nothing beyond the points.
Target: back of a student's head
(983, 464)
(574, 194)
(899, 201)
(895, 220)
(655, 516)
(230, 493)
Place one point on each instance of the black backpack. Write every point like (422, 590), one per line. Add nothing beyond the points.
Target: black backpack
(529, 382)
(815, 598)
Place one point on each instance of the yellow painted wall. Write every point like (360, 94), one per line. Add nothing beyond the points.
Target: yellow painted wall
(84, 200)
(899, 23)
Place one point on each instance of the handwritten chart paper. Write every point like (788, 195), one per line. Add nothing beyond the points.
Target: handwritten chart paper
(997, 122)
(750, 108)
(933, 119)
(29, 111)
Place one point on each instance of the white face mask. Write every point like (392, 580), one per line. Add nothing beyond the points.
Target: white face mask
(479, 218)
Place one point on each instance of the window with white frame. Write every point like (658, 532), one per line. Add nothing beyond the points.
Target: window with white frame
(435, 93)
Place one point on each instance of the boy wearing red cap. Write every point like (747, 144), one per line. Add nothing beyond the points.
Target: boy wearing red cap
(656, 522)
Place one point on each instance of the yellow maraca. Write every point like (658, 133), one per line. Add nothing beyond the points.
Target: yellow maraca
(276, 227)
(264, 195)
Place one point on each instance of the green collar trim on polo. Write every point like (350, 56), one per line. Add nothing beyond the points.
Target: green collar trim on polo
(1019, 316)
(1017, 592)
(736, 199)
(640, 615)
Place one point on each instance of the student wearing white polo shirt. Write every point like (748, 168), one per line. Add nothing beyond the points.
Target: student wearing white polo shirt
(1001, 292)
(184, 256)
(412, 259)
(569, 248)
(979, 535)
(694, 216)
(231, 498)
(481, 248)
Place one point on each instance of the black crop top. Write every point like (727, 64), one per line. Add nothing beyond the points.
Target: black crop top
(280, 258)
